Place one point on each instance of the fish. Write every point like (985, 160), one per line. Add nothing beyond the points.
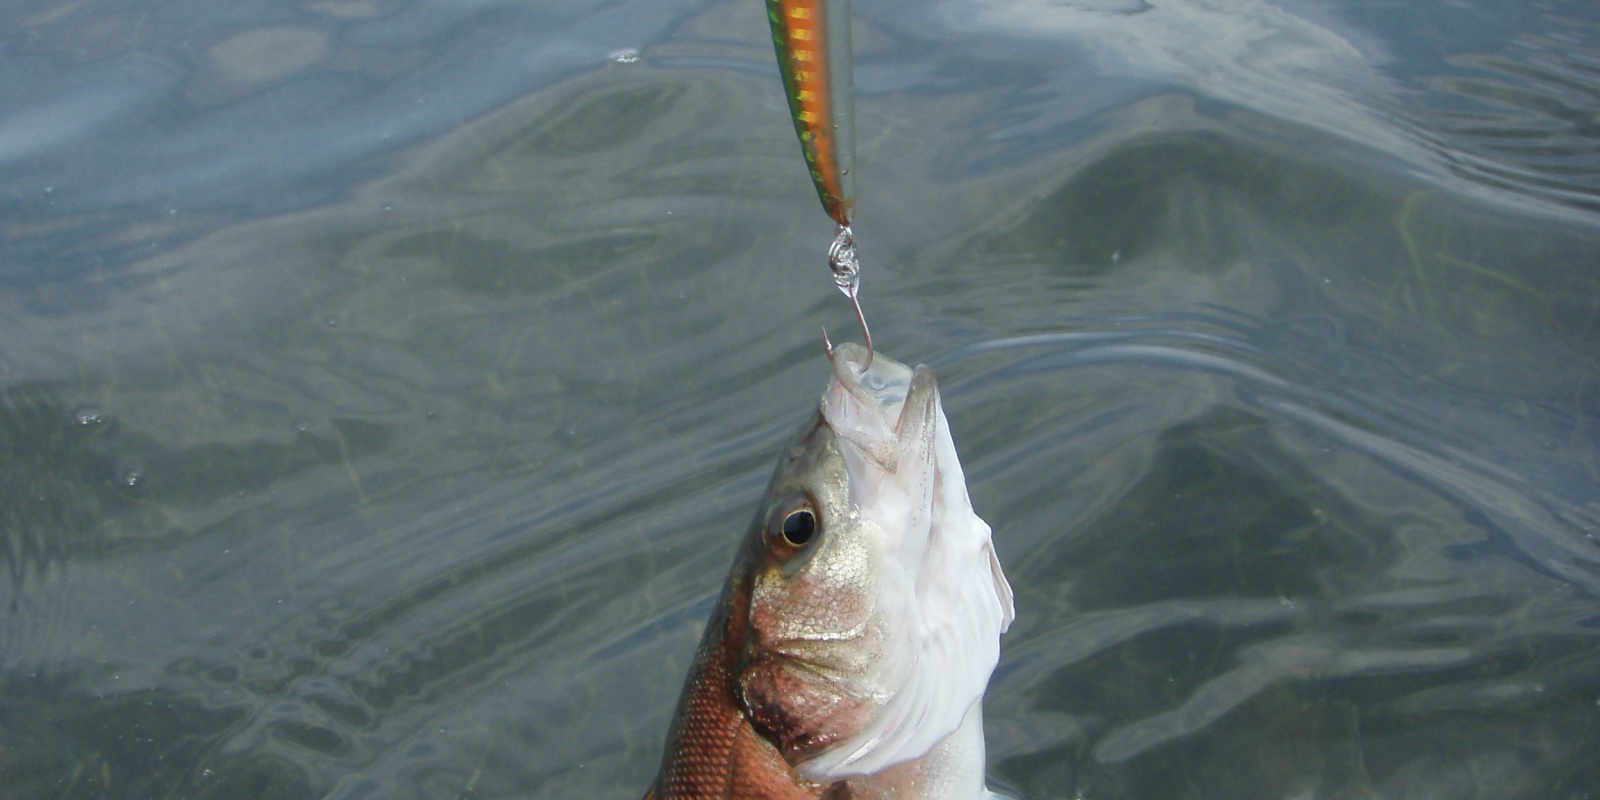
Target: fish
(853, 641)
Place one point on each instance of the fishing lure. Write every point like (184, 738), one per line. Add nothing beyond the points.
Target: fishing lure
(814, 56)
(813, 43)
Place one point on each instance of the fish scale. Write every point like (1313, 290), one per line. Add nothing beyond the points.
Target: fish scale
(714, 750)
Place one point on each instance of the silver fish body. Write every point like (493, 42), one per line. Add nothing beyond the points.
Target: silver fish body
(856, 633)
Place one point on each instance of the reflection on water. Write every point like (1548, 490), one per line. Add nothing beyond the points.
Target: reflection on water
(1507, 106)
(383, 386)
(1512, 107)
(1279, 567)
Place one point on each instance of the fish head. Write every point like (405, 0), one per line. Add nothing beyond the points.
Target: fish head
(876, 600)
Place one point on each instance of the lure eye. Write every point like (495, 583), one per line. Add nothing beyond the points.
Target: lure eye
(791, 528)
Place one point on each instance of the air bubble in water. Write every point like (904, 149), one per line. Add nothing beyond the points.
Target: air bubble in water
(89, 416)
(625, 57)
(129, 472)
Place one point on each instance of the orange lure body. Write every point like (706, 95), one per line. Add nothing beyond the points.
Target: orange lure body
(813, 43)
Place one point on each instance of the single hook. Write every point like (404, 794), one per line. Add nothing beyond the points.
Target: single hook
(866, 335)
(845, 264)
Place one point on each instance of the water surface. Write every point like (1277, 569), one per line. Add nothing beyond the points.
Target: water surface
(384, 385)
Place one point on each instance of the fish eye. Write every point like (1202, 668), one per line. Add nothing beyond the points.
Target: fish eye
(798, 527)
(791, 527)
